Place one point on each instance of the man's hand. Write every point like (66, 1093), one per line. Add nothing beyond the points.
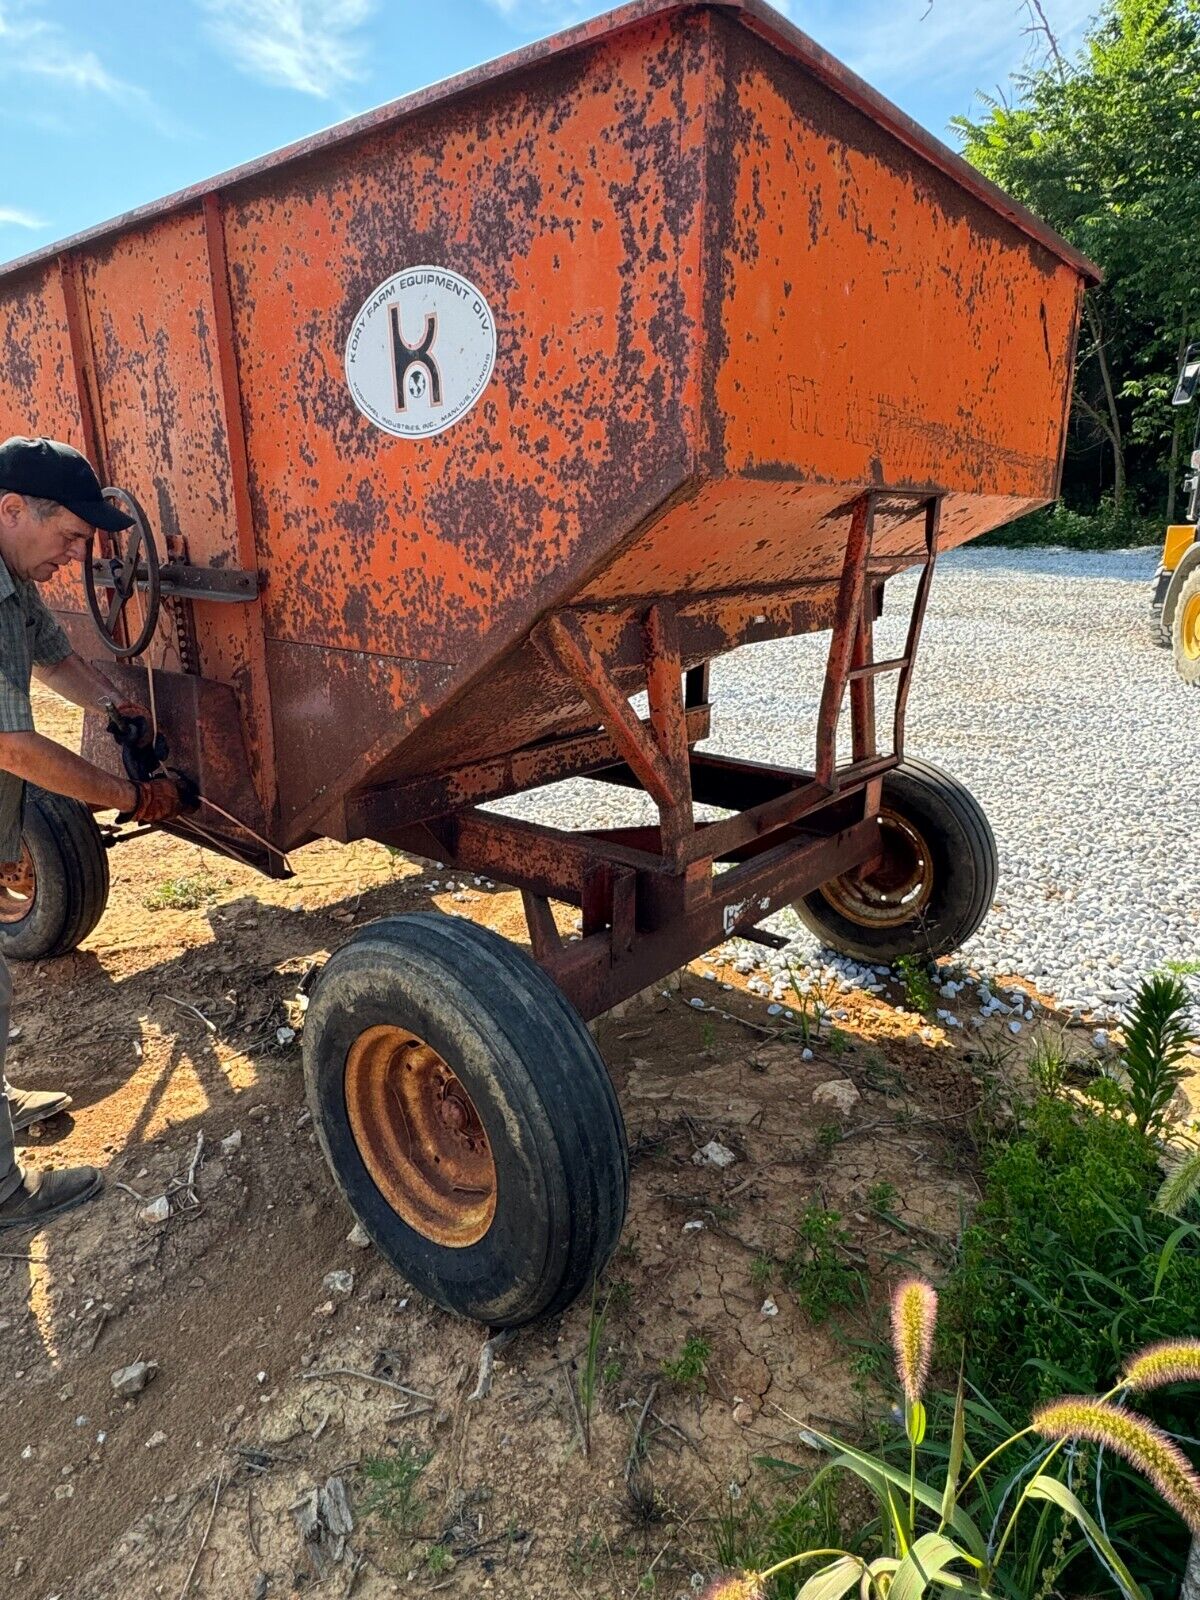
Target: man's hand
(158, 800)
(136, 713)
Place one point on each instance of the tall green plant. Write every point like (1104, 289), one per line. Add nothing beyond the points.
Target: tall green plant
(934, 1537)
(1157, 1039)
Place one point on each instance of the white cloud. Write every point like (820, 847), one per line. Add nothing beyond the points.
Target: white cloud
(14, 217)
(306, 45)
(37, 48)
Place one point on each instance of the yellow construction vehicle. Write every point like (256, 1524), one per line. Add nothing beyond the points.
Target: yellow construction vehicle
(1175, 607)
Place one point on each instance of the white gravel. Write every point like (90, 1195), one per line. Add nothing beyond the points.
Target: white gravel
(1037, 686)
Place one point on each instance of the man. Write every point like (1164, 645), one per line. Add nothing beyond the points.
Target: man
(50, 503)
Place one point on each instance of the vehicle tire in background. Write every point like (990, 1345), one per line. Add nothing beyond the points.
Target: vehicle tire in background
(1185, 629)
(467, 1117)
(933, 885)
(58, 892)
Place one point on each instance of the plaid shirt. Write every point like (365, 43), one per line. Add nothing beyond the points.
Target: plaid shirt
(29, 635)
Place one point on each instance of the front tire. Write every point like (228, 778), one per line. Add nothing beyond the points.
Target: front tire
(59, 891)
(467, 1117)
(1185, 630)
(933, 886)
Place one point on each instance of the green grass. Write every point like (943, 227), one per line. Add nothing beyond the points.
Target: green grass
(820, 1271)
(187, 893)
(688, 1368)
(919, 992)
(792, 1512)
(1182, 969)
(1066, 1268)
(393, 1493)
(438, 1559)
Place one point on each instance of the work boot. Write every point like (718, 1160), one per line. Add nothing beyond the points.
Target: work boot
(45, 1195)
(34, 1105)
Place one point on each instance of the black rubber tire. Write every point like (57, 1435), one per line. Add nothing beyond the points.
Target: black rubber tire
(71, 878)
(1187, 667)
(538, 1084)
(963, 855)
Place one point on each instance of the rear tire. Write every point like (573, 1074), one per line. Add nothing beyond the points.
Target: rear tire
(467, 1117)
(1185, 630)
(66, 886)
(934, 886)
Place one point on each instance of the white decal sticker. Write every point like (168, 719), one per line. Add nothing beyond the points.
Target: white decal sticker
(420, 352)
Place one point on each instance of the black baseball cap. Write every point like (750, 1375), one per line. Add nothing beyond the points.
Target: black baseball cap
(50, 470)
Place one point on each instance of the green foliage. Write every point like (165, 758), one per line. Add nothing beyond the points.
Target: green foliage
(186, 893)
(1183, 969)
(754, 1532)
(1067, 1265)
(1157, 1034)
(688, 1368)
(438, 1559)
(761, 1271)
(819, 1271)
(1180, 1186)
(1105, 148)
(394, 1483)
(882, 1197)
(591, 1360)
(1102, 528)
(981, 1524)
(918, 986)
(1048, 1065)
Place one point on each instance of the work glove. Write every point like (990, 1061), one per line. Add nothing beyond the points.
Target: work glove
(158, 800)
(139, 721)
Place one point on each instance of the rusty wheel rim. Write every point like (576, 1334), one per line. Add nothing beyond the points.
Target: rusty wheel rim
(420, 1137)
(18, 886)
(896, 888)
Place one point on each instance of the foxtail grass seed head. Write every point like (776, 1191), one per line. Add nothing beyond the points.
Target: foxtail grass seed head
(739, 1586)
(1170, 1361)
(914, 1316)
(1137, 1441)
(1180, 1186)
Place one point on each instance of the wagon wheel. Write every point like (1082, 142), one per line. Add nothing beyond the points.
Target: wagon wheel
(932, 883)
(55, 893)
(119, 575)
(467, 1117)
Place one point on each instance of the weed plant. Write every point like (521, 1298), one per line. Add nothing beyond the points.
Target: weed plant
(688, 1368)
(393, 1492)
(919, 992)
(958, 1533)
(820, 1270)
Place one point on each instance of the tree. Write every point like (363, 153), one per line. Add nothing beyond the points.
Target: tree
(1106, 147)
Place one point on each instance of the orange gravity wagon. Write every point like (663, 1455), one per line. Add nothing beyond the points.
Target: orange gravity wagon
(450, 430)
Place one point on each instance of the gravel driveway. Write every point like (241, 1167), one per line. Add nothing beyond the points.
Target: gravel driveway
(1038, 688)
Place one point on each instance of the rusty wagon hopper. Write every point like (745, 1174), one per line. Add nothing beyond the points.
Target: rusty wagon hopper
(455, 427)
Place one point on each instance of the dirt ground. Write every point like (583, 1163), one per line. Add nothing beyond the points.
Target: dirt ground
(167, 1025)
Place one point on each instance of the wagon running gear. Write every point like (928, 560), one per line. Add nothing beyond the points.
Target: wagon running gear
(44, 1195)
(51, 470)
(28, 1106)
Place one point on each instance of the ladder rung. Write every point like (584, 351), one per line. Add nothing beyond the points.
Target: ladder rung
(874, 668)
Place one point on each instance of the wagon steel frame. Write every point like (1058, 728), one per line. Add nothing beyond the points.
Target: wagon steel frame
(651, 898)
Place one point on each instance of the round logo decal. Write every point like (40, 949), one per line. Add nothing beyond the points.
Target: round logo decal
(420, 352)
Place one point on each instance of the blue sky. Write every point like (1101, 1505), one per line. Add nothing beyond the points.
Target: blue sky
(110, 105)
